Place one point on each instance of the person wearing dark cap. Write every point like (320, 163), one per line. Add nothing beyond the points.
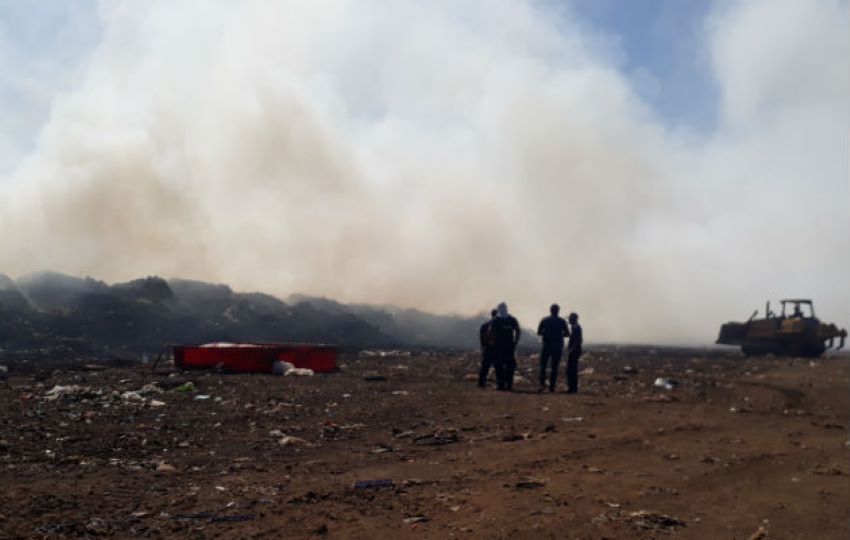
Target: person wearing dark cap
(506, 333)
(486, 338)
(553, 330)
(573, 353)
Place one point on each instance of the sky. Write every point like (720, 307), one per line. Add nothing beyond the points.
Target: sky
(657, 166)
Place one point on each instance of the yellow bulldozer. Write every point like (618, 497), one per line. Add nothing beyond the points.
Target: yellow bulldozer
(795, 331)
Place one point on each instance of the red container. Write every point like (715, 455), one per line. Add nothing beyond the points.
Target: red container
(321, 359)
(255, 357)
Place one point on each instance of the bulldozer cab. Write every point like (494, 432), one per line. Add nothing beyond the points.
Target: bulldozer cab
(797, 309)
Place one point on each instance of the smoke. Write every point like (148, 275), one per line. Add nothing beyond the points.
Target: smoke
(446, 156)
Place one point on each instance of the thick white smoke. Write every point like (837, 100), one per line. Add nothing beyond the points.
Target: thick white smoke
(446, 156)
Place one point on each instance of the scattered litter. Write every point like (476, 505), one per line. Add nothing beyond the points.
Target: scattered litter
(439, 437)
(156, 403)
(288, 440)
(630, 370)
(202, 397)
(400, 392)
(587, 371)
(530, 484)
(760, 533)
(280, 368)
(213, 518)
(660, 398)
(573, 419)
(299, 372)
(654, 520)
(186, 387)
(374, 484)
(165, 467)
(416, 519)
(667, 384)
(513, 437)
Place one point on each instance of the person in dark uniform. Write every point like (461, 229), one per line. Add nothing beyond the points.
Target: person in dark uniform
(553, 330)
(485, 336)
(506, 333)
(573, 354)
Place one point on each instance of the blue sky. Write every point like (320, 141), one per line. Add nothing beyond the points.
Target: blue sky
(663, 51)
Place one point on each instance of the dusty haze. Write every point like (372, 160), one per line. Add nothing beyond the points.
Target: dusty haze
(446, 156)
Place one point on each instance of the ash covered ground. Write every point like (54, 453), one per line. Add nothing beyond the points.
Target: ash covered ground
(740, 448)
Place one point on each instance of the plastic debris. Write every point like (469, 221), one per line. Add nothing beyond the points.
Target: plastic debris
(186, 387)
(530, 484)
(289, 440)
(299, 372)
(374, 484)
(667, 384)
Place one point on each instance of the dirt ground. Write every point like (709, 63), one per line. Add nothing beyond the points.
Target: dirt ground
(740, 448)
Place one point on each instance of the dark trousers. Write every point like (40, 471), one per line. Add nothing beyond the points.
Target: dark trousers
(553, 353)
(486, 364)
(572, 371)
(505, 366)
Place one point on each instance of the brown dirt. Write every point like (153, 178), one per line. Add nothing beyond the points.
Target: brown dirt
(743, 448)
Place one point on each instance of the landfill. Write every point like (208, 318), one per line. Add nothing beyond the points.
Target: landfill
(403, 442)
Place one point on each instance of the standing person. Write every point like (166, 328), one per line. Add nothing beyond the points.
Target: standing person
(573, 354)
(485, 336)
(506, 336)
(553, 330)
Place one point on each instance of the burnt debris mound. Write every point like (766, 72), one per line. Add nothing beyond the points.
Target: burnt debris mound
(49, 313)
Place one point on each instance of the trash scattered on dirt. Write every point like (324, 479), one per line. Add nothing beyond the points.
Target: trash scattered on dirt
(759, 534)
(211, 517)
(573, 419)
(299, 372)
(416, 519)
(660, 398)
(185, 387)
(630, 370)
(654, 520)
(439, 437)
(165, 467)
(667, 384)
(279, 368)
(289, 440)
(374, 484)
(530, 484)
